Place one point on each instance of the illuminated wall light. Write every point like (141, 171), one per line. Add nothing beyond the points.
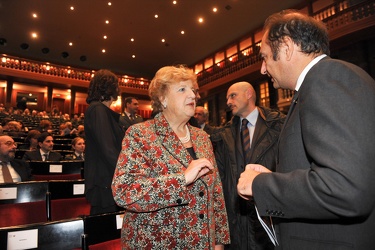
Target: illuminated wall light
(69, 71)
(142, 82)
(230, 59)
(48, 68)
(200, 20)
(218, 64)
(174, 2)
(4, 60)
(30, 94)
(214, 9)
(68, 97)
(109, 3)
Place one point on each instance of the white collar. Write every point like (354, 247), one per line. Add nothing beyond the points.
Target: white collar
(307, 69)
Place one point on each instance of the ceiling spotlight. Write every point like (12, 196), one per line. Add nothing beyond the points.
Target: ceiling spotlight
(174, 2)
(65, 54)
(83, 58)
(214, 9)
(200, 20)
(182, 32)
(107, 21)
(156, 15)
(24, 46)
(45, 50)
(103, 50)
(109, 3)
(70, 44)
(34, 35)
(3, 41)
(163, 40)
(71, 7)
(133, 56)
(104, 37)
(132, 39)
(35, 15)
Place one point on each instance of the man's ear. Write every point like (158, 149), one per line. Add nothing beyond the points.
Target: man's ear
(288, 48)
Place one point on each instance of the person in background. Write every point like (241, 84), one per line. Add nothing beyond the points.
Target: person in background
(201, 115)
(166, 176)
(45, 152)
(263, 126)
(322, 195)
(78, 146)
(130, 116)
(103, 142)
(12, 170)
(31, 140)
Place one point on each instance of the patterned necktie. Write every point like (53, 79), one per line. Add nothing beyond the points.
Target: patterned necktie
(245, 139)
(45, 157)
(6, 174)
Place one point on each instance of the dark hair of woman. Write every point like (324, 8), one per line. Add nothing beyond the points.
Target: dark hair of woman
(103, 86)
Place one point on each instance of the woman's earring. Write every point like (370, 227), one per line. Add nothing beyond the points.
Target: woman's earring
(165, 105)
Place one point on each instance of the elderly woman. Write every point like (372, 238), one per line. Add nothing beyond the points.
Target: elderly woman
(166, 176)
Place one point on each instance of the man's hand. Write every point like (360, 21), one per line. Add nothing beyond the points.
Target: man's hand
(245, 183)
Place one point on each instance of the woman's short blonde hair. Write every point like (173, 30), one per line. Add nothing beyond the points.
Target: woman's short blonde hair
(163, 78)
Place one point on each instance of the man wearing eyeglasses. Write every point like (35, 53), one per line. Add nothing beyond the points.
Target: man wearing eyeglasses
(12, 170)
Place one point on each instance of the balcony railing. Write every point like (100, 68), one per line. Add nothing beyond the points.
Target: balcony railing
(335, 16)
(34, 67)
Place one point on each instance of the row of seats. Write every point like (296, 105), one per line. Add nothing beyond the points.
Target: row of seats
(41, 201)
(57, 170)
(98, 232)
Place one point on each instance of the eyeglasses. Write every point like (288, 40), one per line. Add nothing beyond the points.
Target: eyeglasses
(9, 143)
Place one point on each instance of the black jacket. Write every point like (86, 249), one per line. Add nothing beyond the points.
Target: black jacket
(103, 144)
(245, 229)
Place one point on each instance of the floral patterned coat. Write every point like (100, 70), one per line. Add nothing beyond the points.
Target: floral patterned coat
(149, 182)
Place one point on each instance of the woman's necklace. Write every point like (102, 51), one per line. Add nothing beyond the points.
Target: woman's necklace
(186, 138)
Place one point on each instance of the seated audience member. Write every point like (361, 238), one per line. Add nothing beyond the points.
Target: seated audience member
(31, 141)
(14, 129)
(79, 131)
(12, 170)
(66, 129)
(45, 126)
(45, 153)
(78, 145)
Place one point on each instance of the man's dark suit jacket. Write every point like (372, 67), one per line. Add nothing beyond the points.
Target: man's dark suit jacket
(22, 168)
(209, 129)
(323, 196)
(36, 156)
(125, 121)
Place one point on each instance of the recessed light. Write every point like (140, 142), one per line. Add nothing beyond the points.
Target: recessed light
(156, 15)
(105, 37)
(174, 2)
(163, 40)
(133, 56)
(132, 39)
(182, 32)
(214, 9)
(71, 7)
(35, 15)
(200, 20)
(107, 21)
(70, 44)
(34, 35)
(103, 50)
(109, 3)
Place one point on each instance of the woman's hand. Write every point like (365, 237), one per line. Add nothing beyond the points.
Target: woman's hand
(196, 169)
